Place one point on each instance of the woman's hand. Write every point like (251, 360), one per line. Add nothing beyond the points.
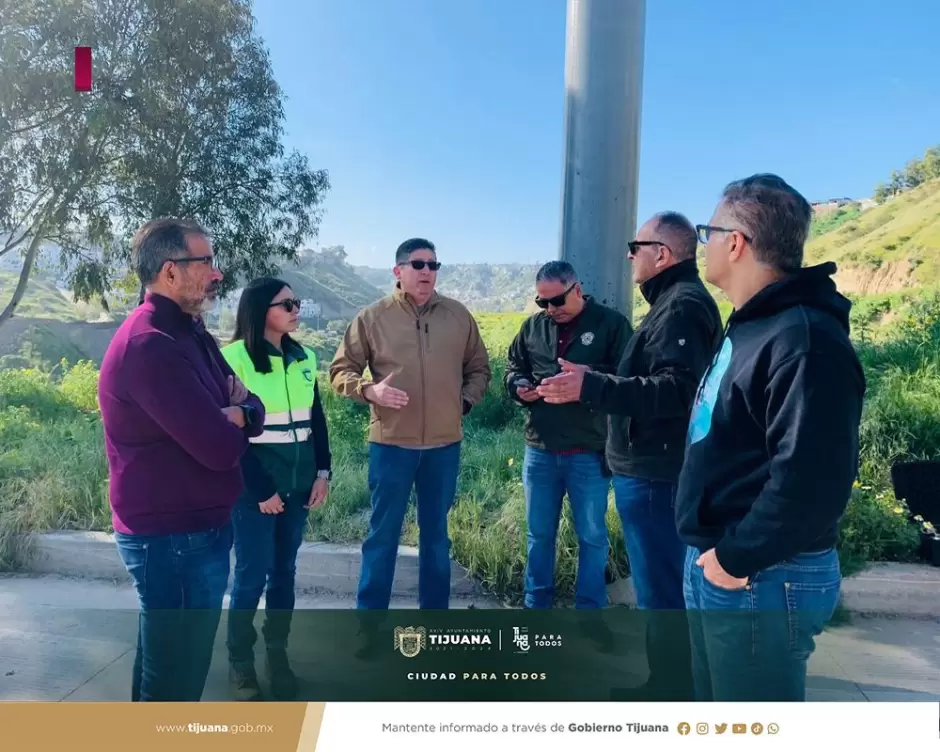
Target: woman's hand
(274, 505)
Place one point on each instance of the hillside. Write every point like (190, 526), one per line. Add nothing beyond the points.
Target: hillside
(491, 288)
(42, 299)
(889, 248)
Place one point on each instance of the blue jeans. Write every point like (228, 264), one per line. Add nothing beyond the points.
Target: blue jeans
(753, 643)
(180, 581)
(647, 510)
(266, 548)
(393, 472)
(546, 477)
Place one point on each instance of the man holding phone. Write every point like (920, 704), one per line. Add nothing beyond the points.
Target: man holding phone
(564, 443)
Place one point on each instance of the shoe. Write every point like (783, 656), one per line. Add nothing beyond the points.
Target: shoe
(244, 683)
(281, 677)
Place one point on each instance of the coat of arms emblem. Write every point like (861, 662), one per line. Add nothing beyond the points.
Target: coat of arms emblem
(410, 640)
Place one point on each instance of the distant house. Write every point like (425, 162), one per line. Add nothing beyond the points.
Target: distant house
(830, 205)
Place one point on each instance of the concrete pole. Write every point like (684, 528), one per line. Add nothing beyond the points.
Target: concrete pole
(603, 91)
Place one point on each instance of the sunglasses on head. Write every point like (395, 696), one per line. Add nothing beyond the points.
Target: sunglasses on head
(557, 302)
(418, 265)
(288, 304)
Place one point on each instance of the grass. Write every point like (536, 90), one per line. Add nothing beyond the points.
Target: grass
(42, 300)
(904, 231)
(45, 415)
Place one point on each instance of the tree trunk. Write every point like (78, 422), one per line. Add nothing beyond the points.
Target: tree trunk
(27, 269)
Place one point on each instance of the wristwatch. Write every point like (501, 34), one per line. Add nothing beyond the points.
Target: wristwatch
(327, 474)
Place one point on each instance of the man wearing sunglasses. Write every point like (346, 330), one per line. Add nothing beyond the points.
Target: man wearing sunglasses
(649, 400)
(176, 424)
(564, 442)
(772, 452)
(428, 367)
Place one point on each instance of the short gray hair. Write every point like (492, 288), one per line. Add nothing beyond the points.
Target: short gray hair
(775, 215)
(557, 271)
(681, 232)
(159, 241)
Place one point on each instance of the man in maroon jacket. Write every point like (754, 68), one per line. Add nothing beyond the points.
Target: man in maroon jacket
(176, 423)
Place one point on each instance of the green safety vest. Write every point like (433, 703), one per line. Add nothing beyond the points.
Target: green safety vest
(286, 393)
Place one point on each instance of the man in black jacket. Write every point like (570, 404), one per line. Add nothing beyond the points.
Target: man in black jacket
(649, 401)
(772, 452)
(564, 443)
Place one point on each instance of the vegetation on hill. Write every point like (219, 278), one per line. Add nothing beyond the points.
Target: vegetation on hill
(887, 248)
(42, 300)
(491, 288)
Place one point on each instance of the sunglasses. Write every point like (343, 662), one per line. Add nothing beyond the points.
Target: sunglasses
(288, 305)
(634, 246)
(418, 265)
(557, 302)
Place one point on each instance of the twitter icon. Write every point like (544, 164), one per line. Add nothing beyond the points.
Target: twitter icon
(720, 728)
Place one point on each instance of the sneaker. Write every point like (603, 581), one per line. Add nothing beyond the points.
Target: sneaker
(282, 678)
(244, 683)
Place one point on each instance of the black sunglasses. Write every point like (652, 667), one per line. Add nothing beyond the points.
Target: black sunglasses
(634, 246)
(288, 304)
(557, 302)
(418, 265)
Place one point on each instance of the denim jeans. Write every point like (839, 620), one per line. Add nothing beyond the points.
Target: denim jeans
(266, 548)
(753, 643)
(647, 510)
(393, 472)
(546, 477)
(181, 581)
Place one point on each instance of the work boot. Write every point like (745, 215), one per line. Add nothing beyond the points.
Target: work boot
(281, 677)
(244, 683)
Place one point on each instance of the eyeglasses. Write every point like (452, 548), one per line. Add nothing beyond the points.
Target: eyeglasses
(557, 302)
(288, 304)
(634, 246)
(704, 232)
(418, 265)
(207, 260)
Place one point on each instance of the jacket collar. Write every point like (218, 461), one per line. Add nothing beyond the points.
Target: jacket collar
(654, 287)
(402, 297)
(292, 351)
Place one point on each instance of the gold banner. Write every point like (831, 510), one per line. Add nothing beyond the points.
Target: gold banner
(103, 727)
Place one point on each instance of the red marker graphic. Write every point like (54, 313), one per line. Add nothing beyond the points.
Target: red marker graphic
(83, 69)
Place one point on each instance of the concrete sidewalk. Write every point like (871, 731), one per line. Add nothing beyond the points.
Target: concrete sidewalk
(67, 639)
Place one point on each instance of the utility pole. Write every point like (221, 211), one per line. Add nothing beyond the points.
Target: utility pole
(603, 92)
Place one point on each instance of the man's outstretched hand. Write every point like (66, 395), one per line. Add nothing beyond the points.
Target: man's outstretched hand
(385, 395)
(566, 386)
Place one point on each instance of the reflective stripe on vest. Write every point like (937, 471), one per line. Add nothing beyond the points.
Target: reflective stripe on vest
(287, 398)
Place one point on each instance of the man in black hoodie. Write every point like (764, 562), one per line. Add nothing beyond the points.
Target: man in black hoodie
(771, 454)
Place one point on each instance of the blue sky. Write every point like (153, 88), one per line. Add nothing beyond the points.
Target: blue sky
(444, 118)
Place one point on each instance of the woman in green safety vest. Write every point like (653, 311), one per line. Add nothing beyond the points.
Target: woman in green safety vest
(287, 473)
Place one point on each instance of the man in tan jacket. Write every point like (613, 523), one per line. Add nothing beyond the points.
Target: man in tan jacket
(428, 368)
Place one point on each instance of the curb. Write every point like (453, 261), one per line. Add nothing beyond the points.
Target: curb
(883, 589)
(323, 567)
(909, 591)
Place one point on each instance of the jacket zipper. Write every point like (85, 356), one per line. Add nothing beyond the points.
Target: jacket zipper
(293, 429)
(424, 422)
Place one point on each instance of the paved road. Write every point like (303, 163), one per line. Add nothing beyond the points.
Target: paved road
(72, 640)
